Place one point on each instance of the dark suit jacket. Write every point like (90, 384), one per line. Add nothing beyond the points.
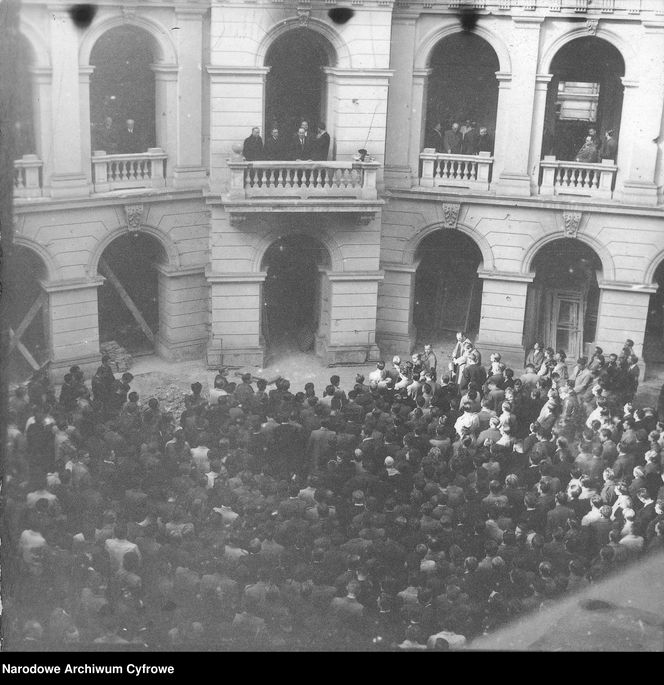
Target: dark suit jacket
(275, 149)
(470, 142)
(253, 149)
(452, 142)
(130, 142)
(300, 150)
(320, 147)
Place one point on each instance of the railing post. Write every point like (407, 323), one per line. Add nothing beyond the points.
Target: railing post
(549, 167)
(606, 179)
(32, 165)
(156, 167)
(236, 190)
(484, 162)
(368, 190)
(428, 158)
(99, 172)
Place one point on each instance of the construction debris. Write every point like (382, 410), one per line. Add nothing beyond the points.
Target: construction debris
(121, 360)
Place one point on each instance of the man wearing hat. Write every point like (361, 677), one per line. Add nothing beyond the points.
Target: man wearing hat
(581, 376)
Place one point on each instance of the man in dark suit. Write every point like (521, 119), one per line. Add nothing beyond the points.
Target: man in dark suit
(320, 145)
(452, 140)
(434, 138)
(609, 146)
(300, 145)
(470, 143)
(129, 141)
(253, 146)
(274, 146)
(484, 141)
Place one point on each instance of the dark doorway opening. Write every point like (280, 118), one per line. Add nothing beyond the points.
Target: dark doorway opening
(292, 294)
(296, 86)
(653, 344)
(448, 291)
(585, 92)
(563, 299)
(26, 312)
(129, 298)
(122, 87)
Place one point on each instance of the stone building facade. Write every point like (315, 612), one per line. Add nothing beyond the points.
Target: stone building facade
(516, 243)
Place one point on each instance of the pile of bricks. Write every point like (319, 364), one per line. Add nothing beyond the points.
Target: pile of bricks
(121, 360)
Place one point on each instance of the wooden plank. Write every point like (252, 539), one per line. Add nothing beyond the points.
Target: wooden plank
(27, 320)
(14, 341)
(106, 271)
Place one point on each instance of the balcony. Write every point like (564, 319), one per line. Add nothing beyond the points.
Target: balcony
(467, 172)
(303, 180)
(123, 172)
(28, 177)
(577, 178)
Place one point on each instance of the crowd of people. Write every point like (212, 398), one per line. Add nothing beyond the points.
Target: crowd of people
(301, 145)
(425, 505)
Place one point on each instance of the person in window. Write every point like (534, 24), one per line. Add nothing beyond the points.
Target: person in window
(253, 146)
(588, 152)
(485, 141)
(592, 132)
(129, 140)
(609, 146)
(274, 146)
(106, 137)
(452, 140)
(320, 145)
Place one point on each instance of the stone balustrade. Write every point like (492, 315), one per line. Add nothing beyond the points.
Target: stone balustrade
(303, 180)
(577, 178)
(120, 172)
(28, 176)
(472, 172)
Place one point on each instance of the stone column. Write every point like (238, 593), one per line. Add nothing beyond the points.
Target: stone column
(73, 324)
(189, 171)
(237, 96)
(622, 314)
(166, 114)
(503, 312)
(503, 116)
(395, 330)
(402, 109)
(67, 177)
(417, 122)
(184, 307)
(353, 298)
(537, 134)
(640, 123)
(41, 105)
(235, 319)
(514, 177)
(84, 74)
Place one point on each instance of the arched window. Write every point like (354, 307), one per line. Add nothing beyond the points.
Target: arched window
(584, 99)
(296, 85)
(462, 89)
(122, 87)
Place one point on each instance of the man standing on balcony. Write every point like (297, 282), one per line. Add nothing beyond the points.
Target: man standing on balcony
(253, 146)
(485, 141)
(452, 140)
(274, 146)
(320, 145)
(435, 138)
(609, 146)
(470, 140)
(106, 138)
(588, 152)
(301, 146)
(129, 142)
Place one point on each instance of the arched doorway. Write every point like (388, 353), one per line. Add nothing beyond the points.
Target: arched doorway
(295, 315)
(563, 299)
(653, 343)
(26, 311)
(448, 291)
(122, 87)
(296, 85)
(129, 298)
(462, 86)
(585, 92)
